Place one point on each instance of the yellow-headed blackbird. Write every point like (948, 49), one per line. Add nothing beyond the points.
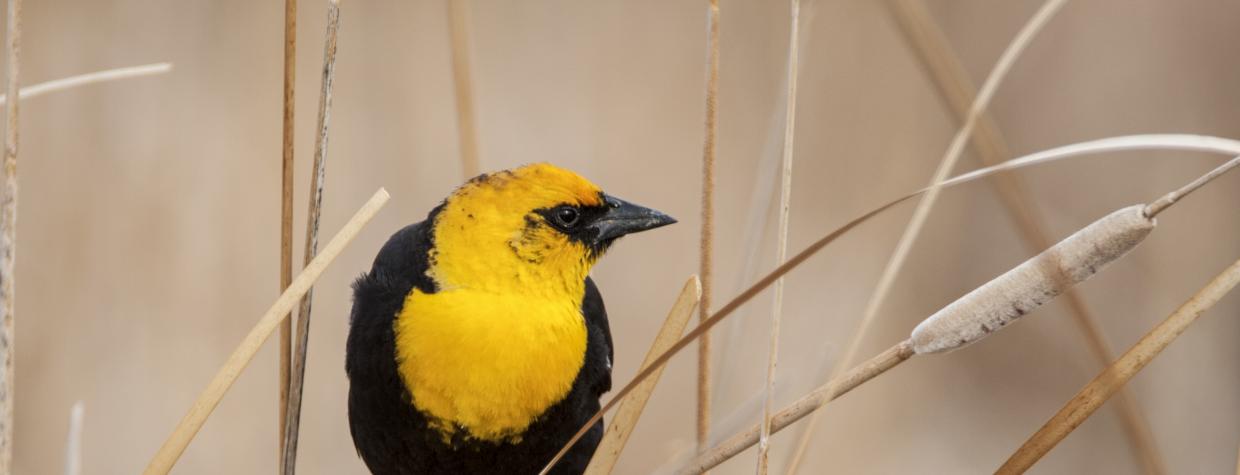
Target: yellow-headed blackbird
(478, 343)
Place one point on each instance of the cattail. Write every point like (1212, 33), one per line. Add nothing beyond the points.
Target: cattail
(1031, 284)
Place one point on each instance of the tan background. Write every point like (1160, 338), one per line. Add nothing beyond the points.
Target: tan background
(149, 212)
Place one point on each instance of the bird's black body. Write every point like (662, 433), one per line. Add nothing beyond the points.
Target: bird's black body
(393, 437)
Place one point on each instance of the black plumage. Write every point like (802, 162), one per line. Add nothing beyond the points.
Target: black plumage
(393, 437)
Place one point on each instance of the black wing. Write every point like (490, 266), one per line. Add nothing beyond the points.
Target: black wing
(596, 321)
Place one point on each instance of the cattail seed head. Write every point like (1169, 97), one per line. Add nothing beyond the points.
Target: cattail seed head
(1021, 290)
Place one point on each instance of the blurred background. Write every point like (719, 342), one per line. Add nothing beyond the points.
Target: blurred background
(149, 213)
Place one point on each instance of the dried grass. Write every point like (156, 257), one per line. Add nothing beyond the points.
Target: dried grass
(185, 431)
(292, 420)
(1115, 376)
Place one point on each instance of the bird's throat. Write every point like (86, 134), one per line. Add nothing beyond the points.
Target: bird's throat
(488, 363)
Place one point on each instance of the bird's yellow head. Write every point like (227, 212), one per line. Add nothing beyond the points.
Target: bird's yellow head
(534, 229)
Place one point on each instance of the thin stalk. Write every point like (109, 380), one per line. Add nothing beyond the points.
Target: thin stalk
(802, 407)
(922, 213)
(71, 82)
(73, 439)
(957, 90)
(617, 434)
(467, 134)
(781, 251)
(8, 235)
(707, 247)
(1115, 376)
(313, 211)
(210, 397)
(1161, 204)
(1112, 144)
(286, 213)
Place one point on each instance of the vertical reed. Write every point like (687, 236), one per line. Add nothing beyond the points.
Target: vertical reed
(73, 439)
(707, 247)
(458, 27)
(286, 212)
(313, 211)
(8, 235)
(781, 251)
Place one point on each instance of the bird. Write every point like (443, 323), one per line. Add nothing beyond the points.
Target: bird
(478, 342)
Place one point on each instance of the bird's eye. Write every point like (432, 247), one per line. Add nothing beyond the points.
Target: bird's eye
(566, 216)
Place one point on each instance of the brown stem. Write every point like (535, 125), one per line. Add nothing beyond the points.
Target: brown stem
(458, 27)
(313, 210)
(210, 397)
(630, 410)
(1115, 376)
(707, 247)
(804, 406)
(286, 211)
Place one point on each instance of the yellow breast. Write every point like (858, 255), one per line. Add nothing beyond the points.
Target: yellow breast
(487, 362)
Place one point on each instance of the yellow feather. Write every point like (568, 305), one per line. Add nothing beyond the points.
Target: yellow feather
(503, 338)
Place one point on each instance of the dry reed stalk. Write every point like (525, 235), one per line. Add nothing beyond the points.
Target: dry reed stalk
(1007, 297)
(1112, 144)
(8, 236)
(210, 397)
(286, 213)
(946, 164)
(707, 246)
(1115, 376)
(71, 82)
(762, 202)
(801, 407)
(781, 250)
(630, 410)
(982, 311)
(957, 90)
(462, 77)
(292, 421)
(73, 440)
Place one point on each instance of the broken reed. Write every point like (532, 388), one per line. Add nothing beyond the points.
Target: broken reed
(1115, 376)
(210, 397)
(1134, 142)
(617, 434)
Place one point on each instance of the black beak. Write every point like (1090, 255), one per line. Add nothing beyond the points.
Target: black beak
(624, 218)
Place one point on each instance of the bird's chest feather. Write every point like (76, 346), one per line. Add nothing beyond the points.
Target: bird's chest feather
(488, 363)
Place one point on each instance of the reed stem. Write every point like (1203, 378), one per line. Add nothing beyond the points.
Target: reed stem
(286, 213)
(292, 422)
(617, 434)
(1115, 376)
(210, 397)
(462, 76)
(8, 236)
(948, 162)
